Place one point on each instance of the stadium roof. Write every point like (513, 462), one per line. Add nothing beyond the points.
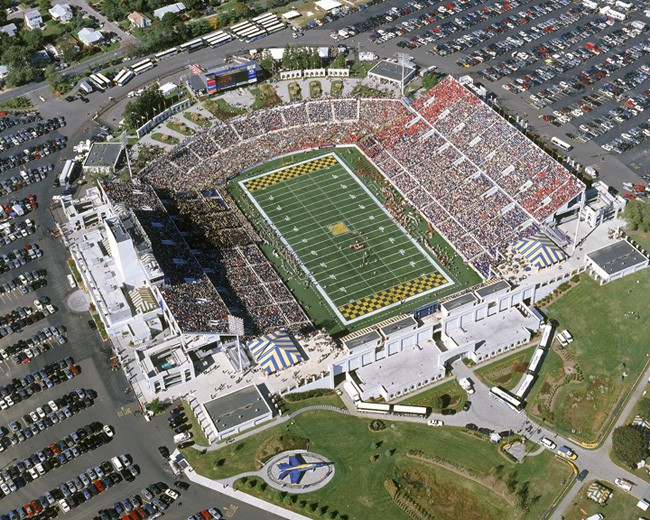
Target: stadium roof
(459, 301)
(493, 288)
(328, 5)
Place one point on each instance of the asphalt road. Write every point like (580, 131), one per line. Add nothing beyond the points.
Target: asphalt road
(113, 406)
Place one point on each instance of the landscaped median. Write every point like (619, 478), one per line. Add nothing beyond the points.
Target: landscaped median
(437, 472)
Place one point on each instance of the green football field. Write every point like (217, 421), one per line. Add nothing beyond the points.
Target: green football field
(358, 258)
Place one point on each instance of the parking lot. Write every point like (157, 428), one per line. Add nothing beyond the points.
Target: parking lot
(58, 390)
(563, 67)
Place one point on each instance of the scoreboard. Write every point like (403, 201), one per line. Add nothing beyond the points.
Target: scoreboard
(230, 76)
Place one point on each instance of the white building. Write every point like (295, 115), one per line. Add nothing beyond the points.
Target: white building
(139, 20)
(33, 19)
(10, 29)
(176, 8)
(89, 36)
(615, 261)
(114, 247)
(61, 12)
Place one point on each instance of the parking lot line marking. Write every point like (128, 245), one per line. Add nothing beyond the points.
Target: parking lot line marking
(230, 511)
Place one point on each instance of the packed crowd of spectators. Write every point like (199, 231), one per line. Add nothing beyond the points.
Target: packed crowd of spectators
(477, 179)
(191, 297)
(225, 242)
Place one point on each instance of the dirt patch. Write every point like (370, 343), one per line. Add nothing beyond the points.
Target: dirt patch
(277, 444)
(441, 499)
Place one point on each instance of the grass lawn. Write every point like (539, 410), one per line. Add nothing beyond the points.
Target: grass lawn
(369, 92)
(620, 505)
(221, 109)
(329, 399)
(265, 97)
(507, 371)
(642, 239)
(17, 103)
(450, 394)
(328, 312)
(607, 356)
(198, 436)
(357, 489)
(181, 128)
(197, 119)
(359, 69)
(165, 138)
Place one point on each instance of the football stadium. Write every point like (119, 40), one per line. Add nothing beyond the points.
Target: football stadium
(365, 207)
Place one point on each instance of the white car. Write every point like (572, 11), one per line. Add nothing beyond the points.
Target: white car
(172, 494)
(108, 430)
(63, 504)
(548, 443)
(38, 305)
(71, 281)
(53, 405)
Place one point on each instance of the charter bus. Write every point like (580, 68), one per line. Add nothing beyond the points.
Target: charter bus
(547, 336)
(373, 407)
(166, 54)
(511, 401)
(192, 46)
(97, 82)
(417, 411)
(123, 77)
(142, 66)
(561, 144)
(217, 38)
(107, 82)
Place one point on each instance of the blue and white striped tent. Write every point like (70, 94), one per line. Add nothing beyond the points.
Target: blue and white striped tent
(539, 250)
(275, 351)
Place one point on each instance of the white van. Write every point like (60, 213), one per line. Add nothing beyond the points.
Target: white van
(548, 443)
(117, 464)
(71, 281)
(597, 516)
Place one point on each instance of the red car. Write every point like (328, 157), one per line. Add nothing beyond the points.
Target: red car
(75, 370)
(36, 506)
(98, 484)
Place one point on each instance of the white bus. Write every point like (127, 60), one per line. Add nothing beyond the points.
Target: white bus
(142, 66)
(373, 407)
(97, 82)
(419, 411)
(535, 361)
(511, 401)
(123, 77)
(218, 38)
(192, 45)
(107, 82)
(561, 144)
(166, 54)
(547, 336)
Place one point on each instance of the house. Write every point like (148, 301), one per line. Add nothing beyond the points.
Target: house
(61, 12)
(178, 7)
(33, 19)
(10, 29)
(139, 20)
(89, 36)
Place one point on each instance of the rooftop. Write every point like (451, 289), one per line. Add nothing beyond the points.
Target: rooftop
(496, 287)
(103, 155)
(459, 301)
(617, 257)
(392, 71)
(237, 408)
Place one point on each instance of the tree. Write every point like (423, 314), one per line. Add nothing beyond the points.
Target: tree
(33, 40)
(155, 406)
(43, 5)
(339, 61)
(637, 215)
(200, 27)
(644, 408)
(20, 75)
(150, 103)
(629, 444)
(267, 62)
(242, 11)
